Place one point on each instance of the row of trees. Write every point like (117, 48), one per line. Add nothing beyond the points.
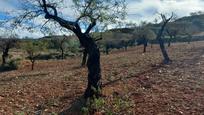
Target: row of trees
(34, 48)
(147, 32)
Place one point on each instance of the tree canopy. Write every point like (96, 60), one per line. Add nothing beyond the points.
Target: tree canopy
(42, 14)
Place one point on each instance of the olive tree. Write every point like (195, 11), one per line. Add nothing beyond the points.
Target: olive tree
(60, 44)
(33, 50)
(7, 42)
(163, 24)
(144, 34)
(90, 12)
(188, 29)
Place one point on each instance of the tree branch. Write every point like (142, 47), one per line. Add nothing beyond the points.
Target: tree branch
(64, 23)
(90, 27)
(98, 39)
(45, 23)
(84, 12)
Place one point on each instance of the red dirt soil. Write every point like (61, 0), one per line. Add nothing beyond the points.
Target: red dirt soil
(153, 88)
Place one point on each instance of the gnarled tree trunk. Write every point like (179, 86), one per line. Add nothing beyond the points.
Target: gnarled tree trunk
(162, 47)
(93, 64)
(163, 50)
(160, 40)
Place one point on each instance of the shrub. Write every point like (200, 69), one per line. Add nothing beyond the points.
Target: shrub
(11, 65)
(115, 105)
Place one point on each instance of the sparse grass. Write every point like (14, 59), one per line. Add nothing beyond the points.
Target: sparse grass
(102, 106)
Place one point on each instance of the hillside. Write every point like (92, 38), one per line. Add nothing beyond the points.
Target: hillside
(195, 22)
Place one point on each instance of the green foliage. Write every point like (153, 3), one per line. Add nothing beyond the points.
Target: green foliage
(93, 105)
(103, 10)
(115, 106)
(70, 46)
(12, 64)
(73, 45)
(19, 113)
(34, 48)
(53, 113)
(85, 111)
(145, 32)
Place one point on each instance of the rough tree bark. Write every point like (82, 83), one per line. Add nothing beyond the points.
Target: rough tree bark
(85, 54)
(83, 62)
(93, 63)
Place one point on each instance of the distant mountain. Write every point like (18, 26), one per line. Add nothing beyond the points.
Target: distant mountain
(195, 20)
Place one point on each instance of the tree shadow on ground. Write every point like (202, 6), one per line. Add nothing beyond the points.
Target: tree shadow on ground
(6, 69)
(22, 77)
(76, 107)
(154, 67)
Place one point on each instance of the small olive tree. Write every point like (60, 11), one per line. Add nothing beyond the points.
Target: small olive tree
(188, 29)
(143, 35)
(33, 50)
(60, 44)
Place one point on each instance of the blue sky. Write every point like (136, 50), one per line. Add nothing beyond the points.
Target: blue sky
(138, 10)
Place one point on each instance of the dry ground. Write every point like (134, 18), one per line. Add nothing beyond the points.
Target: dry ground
(151, 87)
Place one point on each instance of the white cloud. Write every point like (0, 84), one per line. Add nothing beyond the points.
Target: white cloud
(138, 10)
(146, 9)
(5, 6)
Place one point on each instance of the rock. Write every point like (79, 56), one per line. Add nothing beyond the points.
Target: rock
(1, 98)
(160, 71)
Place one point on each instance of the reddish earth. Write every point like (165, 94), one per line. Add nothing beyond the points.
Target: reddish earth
(151, 87)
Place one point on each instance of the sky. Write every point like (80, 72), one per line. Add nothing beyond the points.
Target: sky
(137, 11)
